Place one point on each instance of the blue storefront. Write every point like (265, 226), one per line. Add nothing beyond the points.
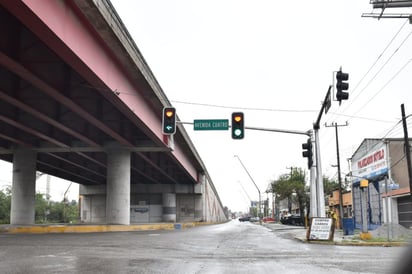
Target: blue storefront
(369, 163)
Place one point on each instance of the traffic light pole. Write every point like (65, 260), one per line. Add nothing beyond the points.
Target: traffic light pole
(320, 200)
(313, 189)
(317, 204)
(316, 207)
(307, 133)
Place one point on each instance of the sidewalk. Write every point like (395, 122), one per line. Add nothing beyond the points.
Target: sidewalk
(299, 233)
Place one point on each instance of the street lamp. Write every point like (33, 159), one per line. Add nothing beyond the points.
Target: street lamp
(253, 183)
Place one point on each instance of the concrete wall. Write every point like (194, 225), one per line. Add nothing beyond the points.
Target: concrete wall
(213, 209)
(193, 203)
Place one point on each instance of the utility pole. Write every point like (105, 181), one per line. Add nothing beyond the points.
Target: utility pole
(407, 147)
(290, 196)
(339, 175)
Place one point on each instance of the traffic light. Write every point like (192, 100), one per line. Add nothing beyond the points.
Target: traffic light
(341, 86)
(307, 152)
(169, 121)
(238, 125)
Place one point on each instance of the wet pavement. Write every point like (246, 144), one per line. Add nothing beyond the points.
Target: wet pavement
(232, 247)
(300, 233)
(396, 236)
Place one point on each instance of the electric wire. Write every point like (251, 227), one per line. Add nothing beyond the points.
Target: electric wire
(384, 86)
(376, 61)
(242, 108)
(367, 150)
(373, 65)
(340, 112)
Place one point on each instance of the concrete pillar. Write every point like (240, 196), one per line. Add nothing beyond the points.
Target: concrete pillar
(23, 193)
(118, 186)
(169, 207)
(199, 208)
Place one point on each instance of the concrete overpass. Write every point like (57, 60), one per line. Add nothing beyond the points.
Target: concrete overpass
(79, 102)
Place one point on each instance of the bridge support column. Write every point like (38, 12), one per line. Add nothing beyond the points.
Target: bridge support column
(118, 186)
(169, 207)
(23, 187)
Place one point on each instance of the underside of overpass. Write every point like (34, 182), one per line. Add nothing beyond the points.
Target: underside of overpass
(73, 85)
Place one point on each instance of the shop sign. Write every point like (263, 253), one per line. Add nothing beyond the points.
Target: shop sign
(371, 165)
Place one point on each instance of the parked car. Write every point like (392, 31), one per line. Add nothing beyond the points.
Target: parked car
(268, 220)
(255, 219)
(292, 220)
(244, 219)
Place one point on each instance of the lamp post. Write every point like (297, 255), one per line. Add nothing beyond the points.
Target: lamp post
(259, 212)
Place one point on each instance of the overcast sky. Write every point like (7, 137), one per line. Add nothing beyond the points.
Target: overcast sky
(273, 60)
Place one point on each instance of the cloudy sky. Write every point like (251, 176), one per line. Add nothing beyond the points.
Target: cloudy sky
(273, 60)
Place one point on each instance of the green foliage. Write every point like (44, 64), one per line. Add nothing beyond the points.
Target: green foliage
(294, 183)
(5, 205)
(329, 186)
(45, 211)
(293, 187)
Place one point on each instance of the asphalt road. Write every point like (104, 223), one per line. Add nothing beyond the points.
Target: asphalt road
(233, 247)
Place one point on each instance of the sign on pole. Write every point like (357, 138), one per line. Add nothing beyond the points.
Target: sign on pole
(215, 124)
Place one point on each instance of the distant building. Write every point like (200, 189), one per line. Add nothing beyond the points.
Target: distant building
(383, 163)
(334, 203)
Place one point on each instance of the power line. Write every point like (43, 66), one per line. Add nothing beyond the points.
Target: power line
(374, 64)
(385, 85)
(362, 118)
(243, 108)
(377, 59)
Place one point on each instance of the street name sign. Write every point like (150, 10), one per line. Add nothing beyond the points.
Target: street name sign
(215, 124)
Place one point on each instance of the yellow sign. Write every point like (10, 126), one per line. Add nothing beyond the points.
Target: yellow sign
(364, 183)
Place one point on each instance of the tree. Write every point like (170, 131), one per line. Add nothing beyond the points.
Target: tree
(5, 206)
(329, 186)
(45, 211)
(294, 183)
(41, 208)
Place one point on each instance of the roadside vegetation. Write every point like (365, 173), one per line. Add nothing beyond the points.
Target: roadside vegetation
(293, 186)
(46, 211)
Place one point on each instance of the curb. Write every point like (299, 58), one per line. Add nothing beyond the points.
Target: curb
(354, 243)
(59, 228)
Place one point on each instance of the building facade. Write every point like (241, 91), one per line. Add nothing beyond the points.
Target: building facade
(383, 163)
(334, 205)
